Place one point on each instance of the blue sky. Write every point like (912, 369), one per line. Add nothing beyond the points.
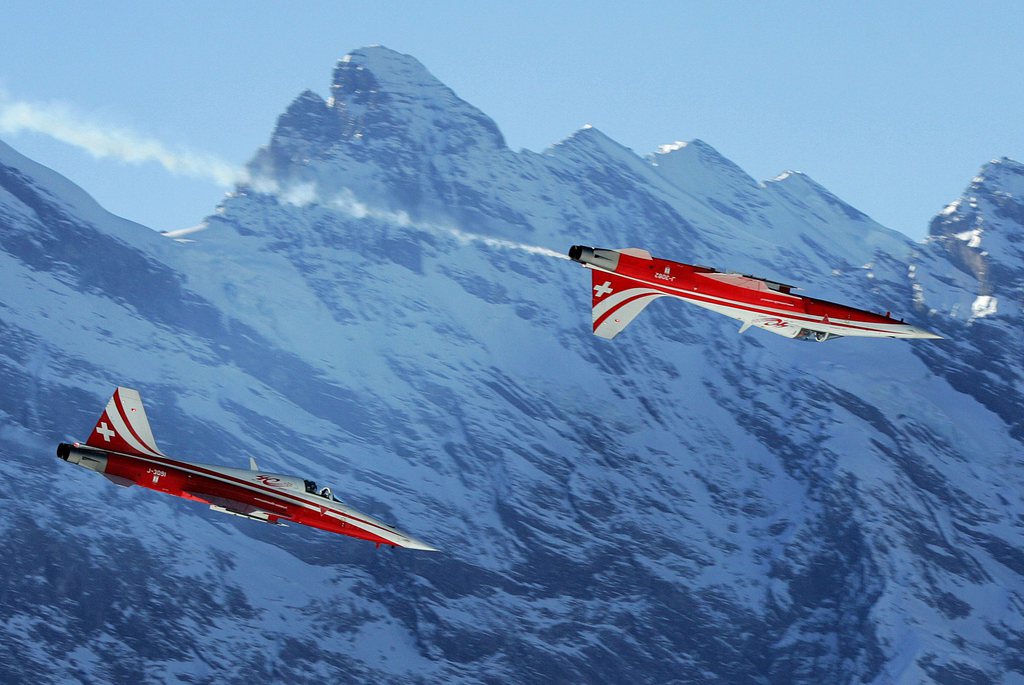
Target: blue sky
(891, 108)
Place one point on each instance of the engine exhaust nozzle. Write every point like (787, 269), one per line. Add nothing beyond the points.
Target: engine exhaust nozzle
(595, 256)
(85, 457)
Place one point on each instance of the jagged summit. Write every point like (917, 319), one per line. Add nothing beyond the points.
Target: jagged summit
(308, 118)
(999, 178)
(378, 92)
(386, 110)
(592, 141)
(1003, 174)
(687, 163)
(994, 200)
(377, 68)
(982, 232)
(798, 183)
(793, 177)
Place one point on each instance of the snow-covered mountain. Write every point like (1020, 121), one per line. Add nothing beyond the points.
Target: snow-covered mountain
(380, 307)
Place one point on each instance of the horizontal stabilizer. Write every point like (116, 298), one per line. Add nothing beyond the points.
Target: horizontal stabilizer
(118, 480)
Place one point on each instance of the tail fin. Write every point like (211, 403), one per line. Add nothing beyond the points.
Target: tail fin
(123, 427)
(617, 301)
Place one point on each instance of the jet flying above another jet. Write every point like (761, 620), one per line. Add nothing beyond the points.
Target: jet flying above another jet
(626, 281)
(121, 448)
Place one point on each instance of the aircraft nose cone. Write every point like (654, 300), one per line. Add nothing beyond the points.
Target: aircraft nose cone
(413, 543)
(921, 333)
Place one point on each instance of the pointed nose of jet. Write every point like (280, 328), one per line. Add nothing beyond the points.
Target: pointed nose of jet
(907, 331)
(413, 543)
(916, 332)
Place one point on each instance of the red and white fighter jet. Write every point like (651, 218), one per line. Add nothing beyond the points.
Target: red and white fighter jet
(121, 448)
(626, 281)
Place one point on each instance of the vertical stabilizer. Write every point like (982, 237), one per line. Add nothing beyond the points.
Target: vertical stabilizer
(617, 301)
(123, 426)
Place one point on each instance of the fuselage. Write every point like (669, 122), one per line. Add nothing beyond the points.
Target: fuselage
(268, 497)
(755, 301)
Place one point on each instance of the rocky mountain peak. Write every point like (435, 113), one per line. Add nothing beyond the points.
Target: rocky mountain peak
(307, 119)
(1001, 175)
(689, 163)
(982, 232)
(385, 111)
(376, 68)
(593, 144)
(799, 185)
(381, 93)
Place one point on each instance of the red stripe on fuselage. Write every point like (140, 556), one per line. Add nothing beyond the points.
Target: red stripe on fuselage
(719, 300)
(186, 466)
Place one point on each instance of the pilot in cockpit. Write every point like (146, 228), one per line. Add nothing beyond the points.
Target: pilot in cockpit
(324, 492)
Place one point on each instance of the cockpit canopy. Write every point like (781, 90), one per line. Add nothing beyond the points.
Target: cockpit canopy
(324, 492)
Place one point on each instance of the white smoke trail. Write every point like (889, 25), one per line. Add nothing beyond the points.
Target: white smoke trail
(103, 141)
(503, 244)
(349, 204)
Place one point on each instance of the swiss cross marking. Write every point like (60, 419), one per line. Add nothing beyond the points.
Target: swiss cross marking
(603, 289)
(106, 432)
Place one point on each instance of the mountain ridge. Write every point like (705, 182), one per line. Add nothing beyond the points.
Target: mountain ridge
(682, 504)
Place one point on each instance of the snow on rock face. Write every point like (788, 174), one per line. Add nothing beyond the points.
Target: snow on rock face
(983, 232)
(383, 106)
(386, 95)
(971, 269)
(698, 164)
(681, 504)
(307, 126)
